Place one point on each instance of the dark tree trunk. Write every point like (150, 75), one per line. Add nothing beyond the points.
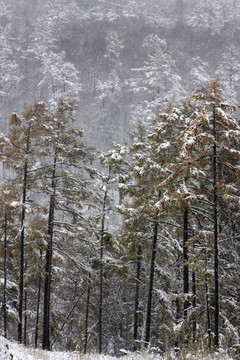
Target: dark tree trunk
(22, 240)
(215, 218)
(208, 309)
(194, 303)
(38, 305)
(100, 290)
(137, 292)
(87, 315)
(101, 265)
(25, 311)
(46, 303)
(178, 316)
(47, 287)
(151, 278)
(5, 279)
(185, 262)
(48, 266)
(21, 280)
(101, 275)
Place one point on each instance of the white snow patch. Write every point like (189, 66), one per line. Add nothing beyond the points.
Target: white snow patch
(14, 204)
(12, 350)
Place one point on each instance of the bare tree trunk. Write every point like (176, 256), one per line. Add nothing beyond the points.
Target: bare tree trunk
(151, 278)
(38, 305)
(48, 267)
(47, 291)
(215, 218)
(101, 290)
(101, 265)
(101, 275)
(87, 315)
(194, 304)
(177, 319)
(137, 292)
(22, 241)
(185, 262)
(25, 311)
(208, 310)
(5, 279)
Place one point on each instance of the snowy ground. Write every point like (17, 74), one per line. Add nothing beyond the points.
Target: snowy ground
(14, 351)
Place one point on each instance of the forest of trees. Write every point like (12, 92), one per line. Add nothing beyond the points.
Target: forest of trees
(135, 247)
(119, 193)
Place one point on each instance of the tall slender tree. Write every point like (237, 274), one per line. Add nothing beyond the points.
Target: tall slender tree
(69, 158)
(213, 136)
(20, 154)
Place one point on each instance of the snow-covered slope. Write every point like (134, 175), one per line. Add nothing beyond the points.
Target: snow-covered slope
(14, 351)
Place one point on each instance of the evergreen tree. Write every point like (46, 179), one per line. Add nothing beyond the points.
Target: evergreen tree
(9, 212)
(20, 153)
(149, 152)
(68, 190)
(157, 81)
(228, 72)
(114, 161)
(211, 142)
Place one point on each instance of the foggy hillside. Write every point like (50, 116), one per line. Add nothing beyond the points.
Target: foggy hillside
(99, 53)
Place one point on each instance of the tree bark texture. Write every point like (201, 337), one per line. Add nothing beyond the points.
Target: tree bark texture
(48, 266)
(185, 262)
(194, 304)
(25, 311)
(102, 233)
(101, 275)
(215, 218)
(22, 241)
(207, 295)
(137, 292)
(38, 306)
(5, 279)
(151, 278)
(87, 316)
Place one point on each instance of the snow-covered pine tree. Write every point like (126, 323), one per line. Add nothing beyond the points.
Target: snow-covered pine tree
(60, 79)
(179, 192)
(199, 75)
(110, 87)
(20, 154)
(157, 82)
(210, 144)
(164, 149)
(9, 232)
(113, 168)
(228, 72)
(66, 183)
(149, 153)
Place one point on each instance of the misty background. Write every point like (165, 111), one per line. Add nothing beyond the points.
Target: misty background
(120, 60)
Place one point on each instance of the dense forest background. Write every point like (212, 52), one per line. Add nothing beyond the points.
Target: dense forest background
(117, 58)
(120, 174)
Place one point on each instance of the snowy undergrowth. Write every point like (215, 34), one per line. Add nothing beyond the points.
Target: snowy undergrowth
(14, 351)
